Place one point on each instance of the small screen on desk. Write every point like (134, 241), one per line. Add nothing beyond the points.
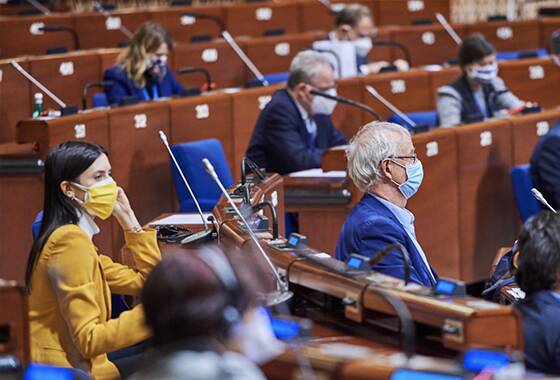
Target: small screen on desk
(445, 287)
(354, 262)
(293, 241)
(407, 374)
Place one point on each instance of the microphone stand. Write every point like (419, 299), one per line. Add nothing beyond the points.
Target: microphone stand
(385, 251)
(207, 232)
(449, 29)
(205, 72)
(241, 54)
(282, 294)
(124, 30)
(349, 102)
(404, 49)
(389, 105)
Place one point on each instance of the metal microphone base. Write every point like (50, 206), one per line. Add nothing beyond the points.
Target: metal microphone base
(198, 237)
(278, 297)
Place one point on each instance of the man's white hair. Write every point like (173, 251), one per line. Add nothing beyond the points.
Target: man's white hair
(304, 66)
(373, 143)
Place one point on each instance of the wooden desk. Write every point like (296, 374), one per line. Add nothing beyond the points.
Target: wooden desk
(257, 19)
(486, 205)
(183, 27)
(315, 16)
(21, 35)
(526, 132)
(509, 35)
(347, 118)
(14, 321)
(97, 31)
(15, 99)
(405, 12)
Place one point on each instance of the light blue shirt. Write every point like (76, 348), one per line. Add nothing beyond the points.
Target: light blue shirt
(310, 124)
(406, 219)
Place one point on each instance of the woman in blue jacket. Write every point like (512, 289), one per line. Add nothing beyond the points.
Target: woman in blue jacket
(141, 72)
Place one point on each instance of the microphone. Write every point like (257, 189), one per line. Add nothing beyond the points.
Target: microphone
(41, 8)
(241, 54)
(389, 105)
(449, 29)
(66, 110)
(282, 294)
(537, 194)
(90, 85)
(349, 102)
(398, 45)
(58, 28)
(215, 19)
(191, 69)
(260, 206)
(387, 250)
(207, 232)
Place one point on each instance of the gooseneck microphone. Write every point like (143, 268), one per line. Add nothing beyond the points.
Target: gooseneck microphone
(192, 69)
(390, 105)
(537, 194)
(123, 29)
(347, 101)
(282, 294)
(64, 29)
(241, 54)
(387, 250)
(207, 232)
(449, 29)
(398, 45)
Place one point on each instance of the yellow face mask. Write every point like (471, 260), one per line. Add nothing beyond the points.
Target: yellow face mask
(100, 198)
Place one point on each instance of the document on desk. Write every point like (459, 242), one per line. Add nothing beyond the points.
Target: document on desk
(192, 218)
(319, 173)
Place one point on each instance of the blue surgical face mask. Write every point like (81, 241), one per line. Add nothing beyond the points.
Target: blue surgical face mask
(414, 176)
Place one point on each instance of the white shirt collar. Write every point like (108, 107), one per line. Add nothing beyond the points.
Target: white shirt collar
(87, 224)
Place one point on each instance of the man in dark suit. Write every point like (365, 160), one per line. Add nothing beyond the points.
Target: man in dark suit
(295, 127)
(538, 275)
(382, 163)
(545, 166)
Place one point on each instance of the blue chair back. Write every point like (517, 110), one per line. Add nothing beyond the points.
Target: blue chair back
(36, 226)
(423, 118)
(518, 54)
(99, 100)
(527, 205)
(189, 156)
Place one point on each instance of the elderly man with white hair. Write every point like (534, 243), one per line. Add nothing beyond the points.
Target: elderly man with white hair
(295, 127)
(382, 163)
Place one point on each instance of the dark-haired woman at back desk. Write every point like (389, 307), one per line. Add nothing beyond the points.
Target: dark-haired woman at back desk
(141, 72)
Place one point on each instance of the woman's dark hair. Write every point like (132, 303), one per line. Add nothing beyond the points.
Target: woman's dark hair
(184, 298)
(66, 162)
(474, 48)
(539, 257)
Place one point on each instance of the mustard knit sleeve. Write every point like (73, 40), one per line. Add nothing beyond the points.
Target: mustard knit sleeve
(145, 251)
(71, 263)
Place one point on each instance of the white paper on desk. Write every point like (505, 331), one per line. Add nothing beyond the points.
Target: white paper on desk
(319, 173)
(193, 218)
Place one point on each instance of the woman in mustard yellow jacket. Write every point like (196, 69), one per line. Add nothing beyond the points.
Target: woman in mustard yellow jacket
(69, 280)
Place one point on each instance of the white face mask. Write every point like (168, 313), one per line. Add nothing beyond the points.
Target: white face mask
(255, 337)
(484, 74)
(324, 106)
(363, 46)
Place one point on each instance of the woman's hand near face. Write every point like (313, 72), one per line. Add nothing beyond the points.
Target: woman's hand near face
(124, 213)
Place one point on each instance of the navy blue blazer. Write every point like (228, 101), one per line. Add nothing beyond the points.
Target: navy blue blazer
(369, 228)
(124, 86)
(280, 141)
(545, 166)
(541, 330)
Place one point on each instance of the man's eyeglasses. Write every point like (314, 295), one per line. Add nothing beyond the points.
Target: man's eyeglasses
(413, 157)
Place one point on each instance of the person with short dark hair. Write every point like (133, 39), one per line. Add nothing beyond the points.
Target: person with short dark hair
(538, 275)
(194, 304)
(295, 127)
(69, 280)
(354, 23)
(141, 72)
(479, 93)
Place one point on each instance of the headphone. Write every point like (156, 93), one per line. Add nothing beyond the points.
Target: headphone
(220, 265)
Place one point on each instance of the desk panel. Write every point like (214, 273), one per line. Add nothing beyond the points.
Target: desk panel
(15, 99)
(96, 31)
(509, 35)
(405, 12)
(316, 16)
(347, 118)
(486, 205)
(526, 132)
(436, 203)
(530, 80)
(245, 19)
(183, 27)
(142, 165)
(442, 78)
(409, 91)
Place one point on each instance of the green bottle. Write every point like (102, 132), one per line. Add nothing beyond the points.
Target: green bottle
(38, 107)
